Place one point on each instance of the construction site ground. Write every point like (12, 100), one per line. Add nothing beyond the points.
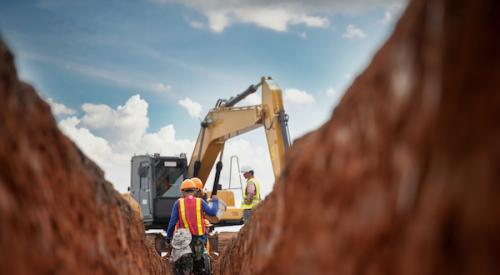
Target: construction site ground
(403, 178)
(225, 239)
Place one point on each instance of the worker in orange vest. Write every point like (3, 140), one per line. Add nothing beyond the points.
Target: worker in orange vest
(203, 195)
(189, 212)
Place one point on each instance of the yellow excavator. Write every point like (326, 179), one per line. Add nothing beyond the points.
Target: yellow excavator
(155, 179)
(226, 121)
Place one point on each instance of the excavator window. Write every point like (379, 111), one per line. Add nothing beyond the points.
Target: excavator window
(166, 176)
(143, 171)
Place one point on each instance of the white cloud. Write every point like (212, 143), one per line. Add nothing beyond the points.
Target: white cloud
(331, 92)
(299, 97)
(274, 18)
(60, 109)
(128, 122)
(278, 19)
(252, 99)
(113, 152)
(392, 12)
(334, 95)
(196, 24)
(114, 164)
(165, 143)
(388, 17)
(312, 21)
(353, 32)
(277, 15)
(161, 87)
(194, 108)
(96, 147)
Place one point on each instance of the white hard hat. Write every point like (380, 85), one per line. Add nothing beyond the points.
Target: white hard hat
(246, 168)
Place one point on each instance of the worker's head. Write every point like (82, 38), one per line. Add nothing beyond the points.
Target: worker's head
(199, 186)
(188, 187)
(197, 183)
(247, 171)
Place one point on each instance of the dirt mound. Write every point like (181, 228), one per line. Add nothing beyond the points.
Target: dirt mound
(58, 215)
(404, 178)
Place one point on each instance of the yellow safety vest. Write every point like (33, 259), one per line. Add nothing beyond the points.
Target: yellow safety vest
(256, 198)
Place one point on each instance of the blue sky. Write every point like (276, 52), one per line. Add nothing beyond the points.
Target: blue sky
(163, 60)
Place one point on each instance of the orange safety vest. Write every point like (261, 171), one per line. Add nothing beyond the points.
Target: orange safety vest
(191, 215)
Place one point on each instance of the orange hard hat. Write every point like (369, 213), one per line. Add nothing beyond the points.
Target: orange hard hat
(198, 183)
(187, 184)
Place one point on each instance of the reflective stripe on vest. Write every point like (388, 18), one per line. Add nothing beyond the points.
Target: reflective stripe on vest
(183, 213)
(191, 215)
(198, 216)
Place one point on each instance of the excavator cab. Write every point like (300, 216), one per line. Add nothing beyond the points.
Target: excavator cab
(155, 185)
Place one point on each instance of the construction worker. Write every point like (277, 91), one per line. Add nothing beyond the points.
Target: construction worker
(251, 194)
(199, 188)
(202, 195)
(162, 185)
(189, 212)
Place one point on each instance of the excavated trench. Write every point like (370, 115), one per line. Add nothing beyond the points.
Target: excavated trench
(403, 179)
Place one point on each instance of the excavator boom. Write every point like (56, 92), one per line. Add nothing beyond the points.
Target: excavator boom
(225, 121)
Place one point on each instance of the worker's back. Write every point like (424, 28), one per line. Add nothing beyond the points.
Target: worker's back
(191, 215)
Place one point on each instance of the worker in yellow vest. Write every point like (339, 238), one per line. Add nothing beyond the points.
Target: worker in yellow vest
(251, 193)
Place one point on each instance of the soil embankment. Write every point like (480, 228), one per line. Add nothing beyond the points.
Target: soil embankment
(58, 215)
(404, 178)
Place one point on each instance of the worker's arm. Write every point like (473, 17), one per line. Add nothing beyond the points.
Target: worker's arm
(211, 211)
(251, 190)
(174, 217)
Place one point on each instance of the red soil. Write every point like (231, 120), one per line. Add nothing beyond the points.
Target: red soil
(58, 215)
(404, 178)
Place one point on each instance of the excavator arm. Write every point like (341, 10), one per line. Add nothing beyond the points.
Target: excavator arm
(225, 121)
(275, 125)
(220, 125)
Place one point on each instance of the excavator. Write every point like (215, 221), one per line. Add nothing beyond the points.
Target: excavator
(155, 179)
